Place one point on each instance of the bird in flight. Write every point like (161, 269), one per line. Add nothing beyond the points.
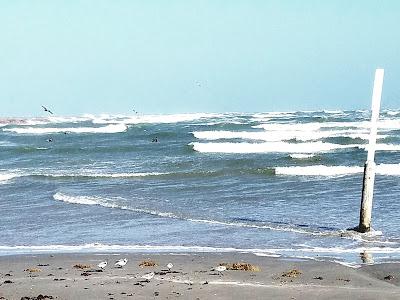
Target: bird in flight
(48, 110)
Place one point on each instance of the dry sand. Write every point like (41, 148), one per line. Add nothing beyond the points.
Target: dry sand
(48, 276)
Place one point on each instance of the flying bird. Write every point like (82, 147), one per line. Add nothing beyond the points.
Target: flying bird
(48, 110)
(120, 263)
(102, 265)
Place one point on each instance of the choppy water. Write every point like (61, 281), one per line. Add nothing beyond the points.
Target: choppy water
(270, 183)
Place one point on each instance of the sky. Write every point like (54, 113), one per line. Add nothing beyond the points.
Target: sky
(171, 56)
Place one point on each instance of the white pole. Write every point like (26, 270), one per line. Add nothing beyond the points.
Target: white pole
(369, 167)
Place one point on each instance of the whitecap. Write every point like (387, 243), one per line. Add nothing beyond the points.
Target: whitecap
(301, 155)
(322, 170)
(8, 176)
(273, 147)
(113, 128)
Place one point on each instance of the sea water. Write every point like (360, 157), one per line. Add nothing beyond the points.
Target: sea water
(278, 184)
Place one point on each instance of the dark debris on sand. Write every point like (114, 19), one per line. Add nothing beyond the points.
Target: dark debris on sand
(291, 273)
(389, 277)
(39, 297)
(7, 281)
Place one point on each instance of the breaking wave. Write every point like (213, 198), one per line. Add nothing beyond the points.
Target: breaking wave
(152, 119)
(101, 175)
(111, 203)
(6, 177)
(301, 155)
(113, 128)
(277, 135)
(273, 147)
(321, 170)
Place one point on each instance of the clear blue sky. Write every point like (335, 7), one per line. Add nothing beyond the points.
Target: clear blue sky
(111, 56)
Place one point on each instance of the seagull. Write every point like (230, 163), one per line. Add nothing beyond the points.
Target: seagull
(102, 265)
(198, 83)
(220, 269)
(148, 276)
(45, 109)
(120, 263)
(169, 266)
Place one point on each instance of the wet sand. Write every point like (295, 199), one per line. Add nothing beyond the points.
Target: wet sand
(192, 276)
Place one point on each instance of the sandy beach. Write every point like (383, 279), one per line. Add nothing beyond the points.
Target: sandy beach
(193, 276)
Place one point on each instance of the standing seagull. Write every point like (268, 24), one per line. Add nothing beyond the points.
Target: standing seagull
(120, 263)
(220, 269)
(102, 265)
(48, 110)
(148, 276)
(169, 266)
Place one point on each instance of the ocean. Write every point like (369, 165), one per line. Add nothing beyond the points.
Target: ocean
(275, 184)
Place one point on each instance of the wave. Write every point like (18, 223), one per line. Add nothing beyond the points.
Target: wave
(99, 247)
(273, 147)
(381, 147)
(153, 119)
(100, 175)
(23, 121)
(383, 124)
(301, 155)
(321, 170)
(6, 177)
(113, 128)
(93, 200)
(275, 136)
(111, 203)
(392, 113)
(7, 144)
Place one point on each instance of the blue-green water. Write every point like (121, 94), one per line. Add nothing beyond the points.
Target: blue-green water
(270, 183)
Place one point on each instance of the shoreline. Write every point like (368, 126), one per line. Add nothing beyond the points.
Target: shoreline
(193, 276)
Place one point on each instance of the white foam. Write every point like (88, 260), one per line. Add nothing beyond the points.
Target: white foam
(388, 169)
(80, 199)
(7, 144)
(110, 203)
(101, 175)
(318, 170)
(273, 147)
(282, 135)
(6, 177)
(113, 128)
(153, 119)
(383, 124)
(301, 155)
(272, 252)
(393, 113)
(382, 147)
(327, 111)
(321, 170)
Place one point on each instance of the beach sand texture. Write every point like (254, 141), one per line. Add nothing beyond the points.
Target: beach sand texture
(76, 276)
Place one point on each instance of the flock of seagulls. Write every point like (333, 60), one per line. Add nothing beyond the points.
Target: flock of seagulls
(148, 276)
(122, 262)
